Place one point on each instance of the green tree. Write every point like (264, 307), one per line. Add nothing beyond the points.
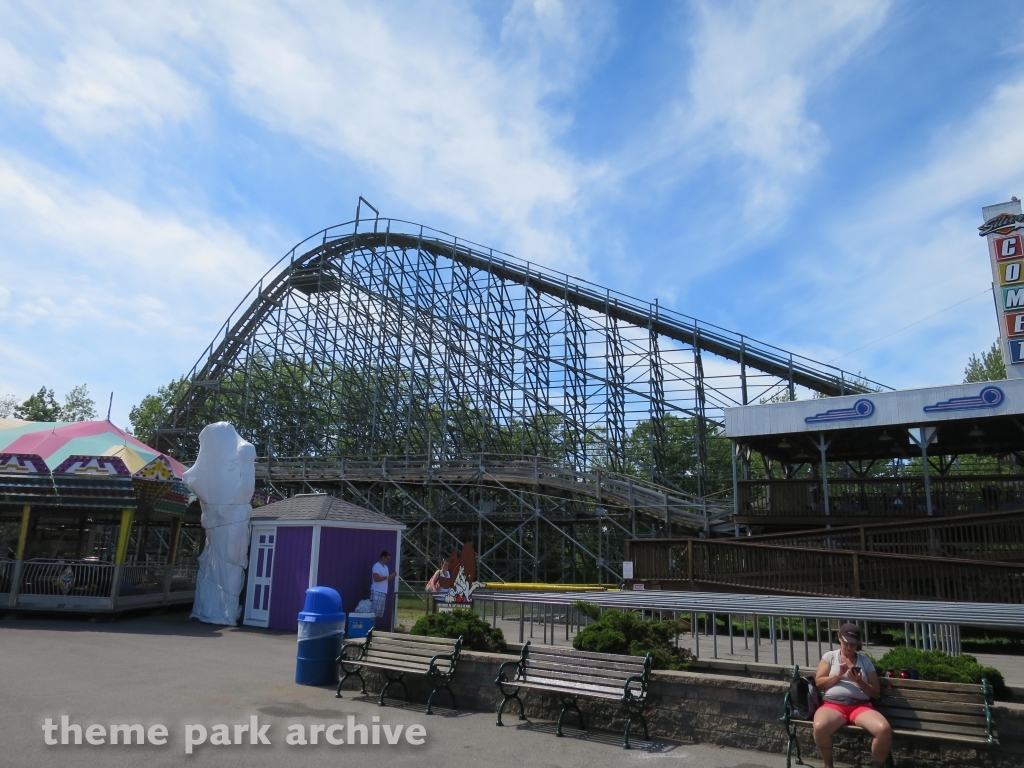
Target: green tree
(988, 367)
(41, 406)
(78, 405)
(148, 415)
(7, 405)
(681, 456)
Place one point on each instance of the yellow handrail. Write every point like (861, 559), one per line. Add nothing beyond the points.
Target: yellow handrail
(536, 587)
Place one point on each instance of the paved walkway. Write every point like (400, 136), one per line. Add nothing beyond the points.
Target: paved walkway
(170, 671)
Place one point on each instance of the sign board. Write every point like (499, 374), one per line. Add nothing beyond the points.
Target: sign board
(627, 569)
(1004, 231)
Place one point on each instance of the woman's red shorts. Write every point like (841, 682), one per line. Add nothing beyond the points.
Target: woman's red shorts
(850, 711)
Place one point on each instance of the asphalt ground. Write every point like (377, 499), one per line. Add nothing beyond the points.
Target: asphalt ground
(167, 670)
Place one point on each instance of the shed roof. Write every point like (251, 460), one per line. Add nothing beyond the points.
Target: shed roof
(323, 507)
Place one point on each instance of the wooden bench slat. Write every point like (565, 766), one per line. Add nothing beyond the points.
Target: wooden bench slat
(974, 720)
(927, 685)
(917, 726)
(385, 658)
(390, 667)
(610, 674)
(616, 662)
(925, 696)
(554, 650)
(423, 639)
(572, 691)
(956, 707)
(576, 680)
(417, 652)
(916, 733)
(600, 669)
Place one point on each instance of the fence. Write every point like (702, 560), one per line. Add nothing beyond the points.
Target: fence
(6, 575)
(746, 625)
(735, 565)
(997, 536)
(88, 586)
(881, 497)
(62, 578)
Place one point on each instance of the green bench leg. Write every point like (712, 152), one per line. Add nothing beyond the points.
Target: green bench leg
(570, 704)
(634, 715)
(505, 700)
(357, 672)
(443, 685)
(390, 682)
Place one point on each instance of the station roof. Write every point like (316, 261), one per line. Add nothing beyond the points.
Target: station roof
(979, 418)
(324, 508)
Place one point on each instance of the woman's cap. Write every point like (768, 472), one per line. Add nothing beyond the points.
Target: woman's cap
(850, 633)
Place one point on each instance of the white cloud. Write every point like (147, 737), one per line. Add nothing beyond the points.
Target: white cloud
(108, 92)
(912, 250)
(414, 99)
(745, 107)
(97, 286)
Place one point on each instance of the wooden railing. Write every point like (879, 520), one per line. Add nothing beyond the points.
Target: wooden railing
(993, 536)
(741, 566)
(603, 486)
(882, 497)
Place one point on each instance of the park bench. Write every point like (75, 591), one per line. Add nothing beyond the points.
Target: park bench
(957, 713)
(395, 655)
(573, 674)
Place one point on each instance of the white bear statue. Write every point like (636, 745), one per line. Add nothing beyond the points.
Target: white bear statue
(223, 477)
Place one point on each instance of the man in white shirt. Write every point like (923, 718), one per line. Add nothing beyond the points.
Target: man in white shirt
(379, 587)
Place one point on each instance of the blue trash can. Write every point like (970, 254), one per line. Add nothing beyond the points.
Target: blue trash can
(321, 630)
(359, 625)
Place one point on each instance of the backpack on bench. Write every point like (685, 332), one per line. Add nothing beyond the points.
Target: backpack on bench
(804, 698)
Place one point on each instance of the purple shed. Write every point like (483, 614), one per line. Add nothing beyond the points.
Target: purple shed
(315, 540)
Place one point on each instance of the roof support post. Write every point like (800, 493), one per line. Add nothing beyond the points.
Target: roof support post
(823, 450)
(26, 518)
(925, 436)
(735, 487)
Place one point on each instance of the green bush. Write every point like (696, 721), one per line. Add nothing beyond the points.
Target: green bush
(477, 634)
(626, 633)
(936, 665)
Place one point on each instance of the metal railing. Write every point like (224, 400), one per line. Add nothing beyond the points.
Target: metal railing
(142, 579)
(754, 627)
(6, 575)
(996, 536)
(67, 578)
(881, 497)
(602, 485)
(183, 576)
(825, 572)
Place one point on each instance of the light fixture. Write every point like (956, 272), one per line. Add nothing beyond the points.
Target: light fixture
(783, 443)
(885, 437)
(975, 432)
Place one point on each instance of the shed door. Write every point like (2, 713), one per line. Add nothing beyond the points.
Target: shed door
(261, 568)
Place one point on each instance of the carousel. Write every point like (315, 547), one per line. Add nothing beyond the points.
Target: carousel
(92, 520)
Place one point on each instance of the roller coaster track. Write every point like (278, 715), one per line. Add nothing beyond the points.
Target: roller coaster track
(383, 338)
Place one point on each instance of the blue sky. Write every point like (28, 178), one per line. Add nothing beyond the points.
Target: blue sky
(808, 174)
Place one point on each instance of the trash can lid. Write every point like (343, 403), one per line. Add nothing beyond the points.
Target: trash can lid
(322, 604)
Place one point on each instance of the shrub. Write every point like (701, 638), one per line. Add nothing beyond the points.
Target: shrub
(477, 634)
(626, 633)
(936, 665)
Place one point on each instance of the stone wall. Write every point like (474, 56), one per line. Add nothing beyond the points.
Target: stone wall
(728, 704)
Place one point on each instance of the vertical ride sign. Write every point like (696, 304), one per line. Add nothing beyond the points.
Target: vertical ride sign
(1004, 231)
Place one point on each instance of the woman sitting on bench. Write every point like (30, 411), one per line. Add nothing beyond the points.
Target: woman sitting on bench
(848, 681)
